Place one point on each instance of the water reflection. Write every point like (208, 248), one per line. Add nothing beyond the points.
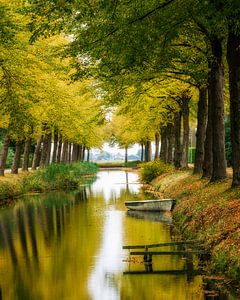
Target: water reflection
(69, 246)
(164, 217)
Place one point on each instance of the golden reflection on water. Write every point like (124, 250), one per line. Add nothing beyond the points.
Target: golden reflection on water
(69, 246)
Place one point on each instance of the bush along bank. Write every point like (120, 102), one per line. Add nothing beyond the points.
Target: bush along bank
(53, 177)
(208, 212)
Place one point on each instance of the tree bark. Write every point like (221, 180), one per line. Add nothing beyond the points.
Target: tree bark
(36, 153)
(142, 151)
(55, 146)
(83, 152)
(88, 154)
(44, 152)
(157, 140)
(59, 150)
(201, 130)
(126, 155)
(69, 152)
(148, 151)
(64, 152)
(49, 148)
(17, 156)
(208, 153)
(74, 153)
(216, 87)
(163, 151)
(233, 58)
(177, 142)
(27, 147)
(4, 154)
(170, 142)
(185, 115)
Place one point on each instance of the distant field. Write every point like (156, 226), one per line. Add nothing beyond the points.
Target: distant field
(108, 164)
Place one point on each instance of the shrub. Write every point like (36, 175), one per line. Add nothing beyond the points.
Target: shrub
(154, 169)
(64, 175)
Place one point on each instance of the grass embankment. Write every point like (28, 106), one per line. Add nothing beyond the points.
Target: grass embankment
(118, 164)
(206, 211)
(53, 177)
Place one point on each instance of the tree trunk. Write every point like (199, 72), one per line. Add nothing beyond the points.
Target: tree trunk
(80, 152)
(126, 155)
(185, 144)
(83, 152)
(44, 152)
(17, 156)
(64, 152)
(49, 148)
(4, 154)
(74, 153)
(208, 154)
(170, 142)
(148, 151)
(201, 130)
(59, 151)
(157, 140)
(36, 153)
(163, 151)
(88, 154)
(55, 146)
(216, 87)
(142, 151)
(26, 154)
(233, 58)
(69, 152)
(177, 137)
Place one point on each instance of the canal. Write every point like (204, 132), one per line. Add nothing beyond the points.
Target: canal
(69, 246)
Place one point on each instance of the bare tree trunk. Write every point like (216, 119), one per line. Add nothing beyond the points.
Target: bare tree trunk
(83, 152)
(177, 136)
(217, 87)
(142, 151)
(126, 155)
(17, 156)
(44, 152)
(74, 153)
(80, 152)
(27, 147)
(233, 57)
(157, 140)
(148, 151)
(185, 115)
(4, 154)
(170, 142)
(49, 148)
(69, 152)
(36, 153)
(201, 130)
(55, 146)
(59, 151)
(88, 154)
(163, 151)
(64, 152)
(208, 155)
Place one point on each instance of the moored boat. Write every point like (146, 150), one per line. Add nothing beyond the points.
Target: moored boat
(151, 205)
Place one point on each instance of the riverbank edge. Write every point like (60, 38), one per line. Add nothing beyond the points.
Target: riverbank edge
(208, 212)
(16, 185)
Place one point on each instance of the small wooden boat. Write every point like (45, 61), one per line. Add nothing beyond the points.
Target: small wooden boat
(151, 205)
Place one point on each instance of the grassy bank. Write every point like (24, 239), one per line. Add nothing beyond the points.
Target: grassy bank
(206, 211)
(53, 177)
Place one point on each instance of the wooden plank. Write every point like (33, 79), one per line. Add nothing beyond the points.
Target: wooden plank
(176, 243)
(170, 272)
(165, 252)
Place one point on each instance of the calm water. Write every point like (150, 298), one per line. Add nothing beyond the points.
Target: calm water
(69, 246)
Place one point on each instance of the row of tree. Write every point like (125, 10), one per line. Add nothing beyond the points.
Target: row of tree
(133, 45)
(40, 105)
